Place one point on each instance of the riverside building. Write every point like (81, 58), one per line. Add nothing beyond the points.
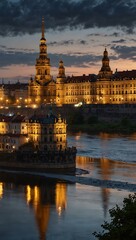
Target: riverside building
(104, 88)
(38, 144)
(46, 132)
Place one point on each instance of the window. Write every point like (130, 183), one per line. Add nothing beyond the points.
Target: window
(45, 130)
(50, 130)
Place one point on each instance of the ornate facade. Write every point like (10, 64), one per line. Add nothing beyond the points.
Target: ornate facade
(42, 88)
(104, 88)
(47, 132)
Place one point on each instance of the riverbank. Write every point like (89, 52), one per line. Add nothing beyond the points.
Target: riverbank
(103, 127)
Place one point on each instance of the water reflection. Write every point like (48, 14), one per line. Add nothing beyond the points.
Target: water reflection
(1, 190)
(112, 146)
(106, 169)
(61, 197)
(41, 199)
(25, 206)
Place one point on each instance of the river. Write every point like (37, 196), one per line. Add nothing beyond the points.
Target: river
(70, 211)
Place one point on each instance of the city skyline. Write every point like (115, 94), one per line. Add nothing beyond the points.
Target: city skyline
(76, 31)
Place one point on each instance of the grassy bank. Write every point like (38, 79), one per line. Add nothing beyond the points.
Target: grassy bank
(104, 127)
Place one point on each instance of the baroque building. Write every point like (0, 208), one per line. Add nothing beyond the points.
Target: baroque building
(105, 88)
(46, 132)
(42, 88)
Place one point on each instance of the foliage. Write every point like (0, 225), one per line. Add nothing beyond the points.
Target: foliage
(93, 120)
(123, 222)
(125, 121)
(77, 118)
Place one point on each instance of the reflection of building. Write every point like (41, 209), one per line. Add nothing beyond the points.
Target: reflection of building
(104, 167)
(105, 173)
(34, 197)
(61, 200)
(41, 199)
(1, 190)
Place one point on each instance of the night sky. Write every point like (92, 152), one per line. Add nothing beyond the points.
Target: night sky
(77, 32)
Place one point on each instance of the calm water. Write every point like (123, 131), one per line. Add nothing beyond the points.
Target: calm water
(70, 211)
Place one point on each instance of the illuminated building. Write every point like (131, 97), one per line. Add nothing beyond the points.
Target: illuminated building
(15, 93)
(13, 132)
(106, 87)
(46, 132)
(42, 87)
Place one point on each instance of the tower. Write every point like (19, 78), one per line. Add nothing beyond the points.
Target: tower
(105, 71)
(43, 62)
(60, 84)
(42, 88)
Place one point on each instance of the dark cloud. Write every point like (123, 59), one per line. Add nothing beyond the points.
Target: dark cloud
(24, 16)
(114, 34)
(12, 50)
(133, 40)
(67, 42)
(125, 52)
(119, 41)
(75, 59)
(10, 58)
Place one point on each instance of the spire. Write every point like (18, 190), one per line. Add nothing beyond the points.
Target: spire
(105, 69)
(61, 70)
(105, 55)
(43, 27)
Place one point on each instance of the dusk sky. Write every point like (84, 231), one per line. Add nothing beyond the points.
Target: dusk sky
(77, 32)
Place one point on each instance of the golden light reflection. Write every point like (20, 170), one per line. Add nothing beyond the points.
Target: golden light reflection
(77, 137)
(36, 195)
(1, 190)
(106, 136)
(61, 200)
(83, 161)
(28, 194)
(41, 210)
(105, 168)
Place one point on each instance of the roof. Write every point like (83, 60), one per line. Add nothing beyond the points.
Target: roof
(18, 119)
(126, 74)
(48, 119)
(4, 118)
(14, 86)
(13, 118)
(83, 78)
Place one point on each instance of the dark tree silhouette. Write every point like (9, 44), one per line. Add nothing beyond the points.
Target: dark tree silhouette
(123, 222)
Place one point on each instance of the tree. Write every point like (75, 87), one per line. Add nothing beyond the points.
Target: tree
(123, 222)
